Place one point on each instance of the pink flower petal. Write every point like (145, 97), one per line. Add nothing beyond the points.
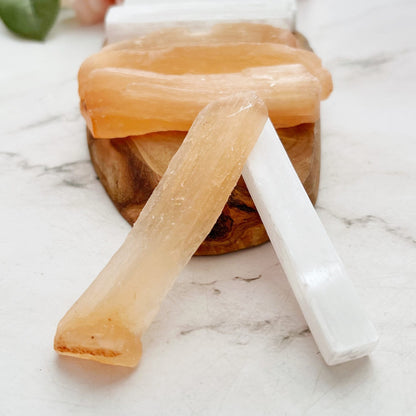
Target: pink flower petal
(90, 12)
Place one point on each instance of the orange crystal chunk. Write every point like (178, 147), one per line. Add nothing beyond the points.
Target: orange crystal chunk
(207, 59)
(120, 102)
(162, 80)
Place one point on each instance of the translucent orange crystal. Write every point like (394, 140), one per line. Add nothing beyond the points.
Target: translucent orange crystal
(160, 81)
(120, 102)
(207, 59)
(108, 320)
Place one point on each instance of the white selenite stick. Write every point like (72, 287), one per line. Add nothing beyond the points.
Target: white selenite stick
(316, 274)
(138, 19)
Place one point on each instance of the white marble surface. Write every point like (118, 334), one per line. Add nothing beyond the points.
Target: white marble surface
(229, 338)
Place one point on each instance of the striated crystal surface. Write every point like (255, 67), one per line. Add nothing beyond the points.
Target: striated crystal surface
(207, 59)
(119, 102)
(107, 321)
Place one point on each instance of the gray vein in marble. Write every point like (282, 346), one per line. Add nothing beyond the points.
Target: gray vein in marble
(74, 172)
(365, 67)
(8, 154)
(225, 327)
(295, 334)
(370, 62)
(213, 327)
(247, 279)
(243, 279)
(203, 283)
(373, 219)
(66, 167)
(38, 123)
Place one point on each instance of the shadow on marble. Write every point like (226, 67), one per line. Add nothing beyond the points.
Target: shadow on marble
(356, 371)
(90, 372)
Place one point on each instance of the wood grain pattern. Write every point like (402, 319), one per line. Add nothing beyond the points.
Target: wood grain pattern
(130, 169)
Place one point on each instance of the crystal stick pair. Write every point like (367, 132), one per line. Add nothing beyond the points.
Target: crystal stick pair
(108, 320)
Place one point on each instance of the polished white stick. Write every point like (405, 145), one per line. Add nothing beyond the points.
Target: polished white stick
(325, 294)
(142, 17)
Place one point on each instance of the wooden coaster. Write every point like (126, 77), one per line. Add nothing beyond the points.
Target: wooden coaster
(130, 169)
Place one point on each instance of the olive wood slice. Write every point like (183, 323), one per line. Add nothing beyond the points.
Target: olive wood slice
(130, 168)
